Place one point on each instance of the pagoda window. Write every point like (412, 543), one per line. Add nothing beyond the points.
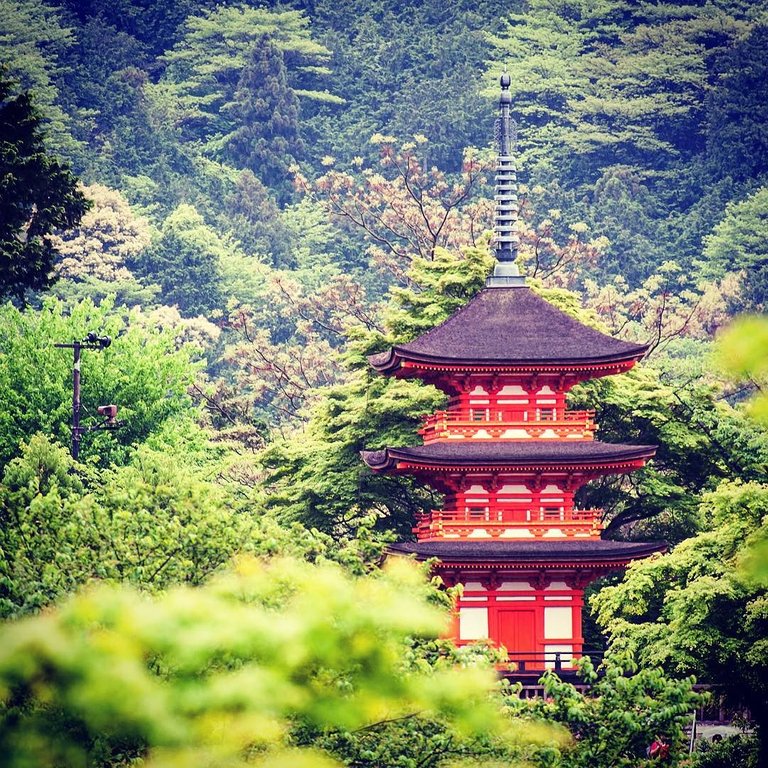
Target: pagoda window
(558, 623)
(479, 414)
(479, 396)
(546, 404)
(473, 623)
(477, 513)
(518, 586)
(514, 502)
(476, 503)
(551, 513)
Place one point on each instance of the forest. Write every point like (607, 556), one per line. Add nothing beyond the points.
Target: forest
(248, 198)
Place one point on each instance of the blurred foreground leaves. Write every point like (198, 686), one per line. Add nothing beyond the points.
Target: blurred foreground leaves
(218, 675)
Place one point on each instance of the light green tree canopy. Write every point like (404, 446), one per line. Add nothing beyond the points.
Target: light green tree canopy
(217, 675)
(142, 372)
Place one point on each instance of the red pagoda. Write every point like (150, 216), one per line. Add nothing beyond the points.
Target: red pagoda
(509, 456)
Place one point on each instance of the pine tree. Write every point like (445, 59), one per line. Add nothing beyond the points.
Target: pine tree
(37, 195)
(266, 111)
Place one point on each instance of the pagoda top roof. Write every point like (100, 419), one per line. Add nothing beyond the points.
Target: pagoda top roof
(508, 453)
(509, 326)
(521, 553)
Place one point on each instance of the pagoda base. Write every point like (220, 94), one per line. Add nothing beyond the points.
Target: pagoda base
(526, 597)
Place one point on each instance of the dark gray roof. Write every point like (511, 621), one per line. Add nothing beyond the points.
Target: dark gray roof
(522, 552)
(508, 452)
(512, 326)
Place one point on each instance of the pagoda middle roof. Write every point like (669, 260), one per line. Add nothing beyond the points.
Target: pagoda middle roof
(514, 453)
(512, 553)
(509, 326)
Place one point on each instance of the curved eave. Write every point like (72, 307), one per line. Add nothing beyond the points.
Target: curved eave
(401, 361)
(515, 556)
(401, 459)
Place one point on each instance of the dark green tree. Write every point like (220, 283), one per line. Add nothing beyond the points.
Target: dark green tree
(254, 219)
(266, 112)
(737, 110)
(186, 262)
(38, 194)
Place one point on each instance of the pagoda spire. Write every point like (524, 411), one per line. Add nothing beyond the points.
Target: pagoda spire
(505, 234)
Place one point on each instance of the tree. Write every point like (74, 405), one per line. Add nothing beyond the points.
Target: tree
(614, 83)
(254, 219)
(113, 676)
(186, 261)
(38, 195)
(204, 68)
(34, 46)
(93, 256)
(738, 243)
(154, 522)
(613, 716)
(694, 611)
(407, 210)
(700, 440)
(142, 372)
(266, 136)
(317, 476)
(737, 138)
(405, 69)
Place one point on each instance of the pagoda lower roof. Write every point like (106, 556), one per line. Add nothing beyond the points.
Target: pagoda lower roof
(509, 327)
(517, 554)
(513, 454)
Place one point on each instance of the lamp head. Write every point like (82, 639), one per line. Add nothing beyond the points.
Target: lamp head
(102, 342)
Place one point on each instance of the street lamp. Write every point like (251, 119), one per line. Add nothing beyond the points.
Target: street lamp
(109, 412)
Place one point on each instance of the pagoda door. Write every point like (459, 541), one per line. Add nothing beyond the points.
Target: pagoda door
(517, 631)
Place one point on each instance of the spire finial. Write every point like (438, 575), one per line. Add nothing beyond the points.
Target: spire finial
(505, 236)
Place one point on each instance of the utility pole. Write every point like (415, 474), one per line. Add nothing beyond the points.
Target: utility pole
(91, 341)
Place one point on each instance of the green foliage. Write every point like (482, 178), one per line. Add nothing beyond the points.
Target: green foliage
(741, 751)
(318, 476)
(694, 610)
(37, 195)
(266, 137)
(142, 372)
(154, 522)
(256, 222)
(186, 262)
(617, 81)
(406, 69)
(736, 109)
(34, 43)
(742, 352)
(204, 69)
(738, 243)
(641, 116)
(700, 442)
(615, 719)
(218, 673)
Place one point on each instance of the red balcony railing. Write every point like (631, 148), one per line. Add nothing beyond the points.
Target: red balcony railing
(444, 523)
(497, 423)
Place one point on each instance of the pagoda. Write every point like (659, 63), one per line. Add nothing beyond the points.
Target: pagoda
(509, 456)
